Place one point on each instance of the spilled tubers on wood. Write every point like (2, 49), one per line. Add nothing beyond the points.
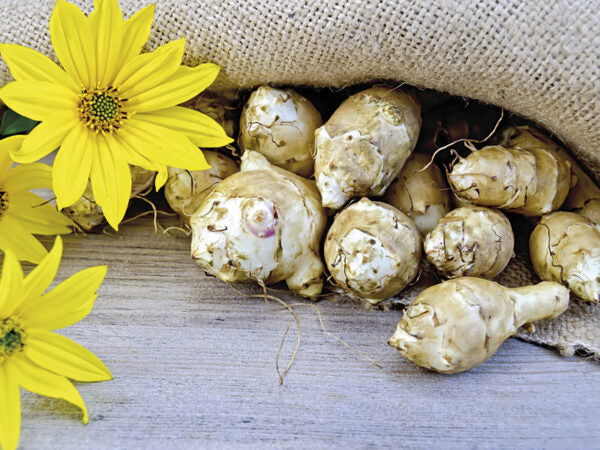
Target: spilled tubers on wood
(458, 324)
(364, 144)
(372, 250)
(470, 241)
(565, 247)
(264, 224)
(421, 194)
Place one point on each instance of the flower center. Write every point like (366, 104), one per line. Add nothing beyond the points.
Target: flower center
(3, 202)
(101, 109)
(11, 338)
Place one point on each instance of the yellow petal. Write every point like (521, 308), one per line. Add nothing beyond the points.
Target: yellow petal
(73, 43)
(46, 137)
(133, 157)
(7, 146)
(162, 145)
(161, 178)
(41, 381)
(185, 84)
(72, 166)
(36, 216)
(66, 304)
(136, 33)
(11, 284)
(40, 278)
(65, 357)
(149, 70)
(199, 128)
(14, 238)
(108, 27)
(38, 100)
(27, 64)
(10, 410)
(111, 180)
(28, 176)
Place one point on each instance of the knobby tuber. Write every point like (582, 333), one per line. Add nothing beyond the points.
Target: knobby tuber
(565, 247)
(458, 324)
(372, 250)
(470, 241)
(263, 223)
(532, 181)
(421, 194)
(364, 145)
(281, 124)
(185, 190)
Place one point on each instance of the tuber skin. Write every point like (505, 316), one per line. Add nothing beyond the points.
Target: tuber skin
(223, 107)
(185, 190)
(281, 124)
(470, 241)
(373, 250)
(458, 324)
(264, 224)
(87, 214)
(531, 182)
(565, 247)
(364, 145)
(422, 195)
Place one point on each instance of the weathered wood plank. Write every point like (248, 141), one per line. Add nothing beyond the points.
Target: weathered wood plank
(194, 365)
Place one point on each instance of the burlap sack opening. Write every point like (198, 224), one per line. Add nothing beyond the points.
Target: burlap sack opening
(537, 59)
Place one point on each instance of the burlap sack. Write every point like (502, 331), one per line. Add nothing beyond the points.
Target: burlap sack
(535, 58)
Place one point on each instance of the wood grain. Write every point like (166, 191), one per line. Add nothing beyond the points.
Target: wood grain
(194, 366)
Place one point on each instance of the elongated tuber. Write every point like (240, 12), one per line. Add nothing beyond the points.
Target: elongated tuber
(372, 250)
(531, 181)
(471, 241)
(420, 194)
(458, 324)
(263, 223)
(185, 190)
(86, 213)
(281, 124)
(565, 247)
(364, 145)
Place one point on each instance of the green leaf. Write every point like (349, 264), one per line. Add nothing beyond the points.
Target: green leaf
(13, 123)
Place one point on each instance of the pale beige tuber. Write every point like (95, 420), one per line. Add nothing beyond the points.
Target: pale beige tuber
(373, 250)
(281, 124)
(263, 223)
(365, 143)
(87, 214)
(458, 324)
(223, 107)
(531, 182)
(422, 195)
(565, 247)
(185, 190)
(470, 241)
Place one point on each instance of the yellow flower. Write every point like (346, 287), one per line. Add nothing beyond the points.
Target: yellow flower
(31, 355)
(110, 106)
(23, 213)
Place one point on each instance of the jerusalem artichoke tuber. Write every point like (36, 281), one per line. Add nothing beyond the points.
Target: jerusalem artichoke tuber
(458, 324)
(263, 223)
(470, 241)
(565, 247)
(281, 124)
(421, 194)
(364, 145)
(531, 181)
(372, 250)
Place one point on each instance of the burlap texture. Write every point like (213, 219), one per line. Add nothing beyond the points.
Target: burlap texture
(536, 58)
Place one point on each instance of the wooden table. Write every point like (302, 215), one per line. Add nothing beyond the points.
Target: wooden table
(194, 366)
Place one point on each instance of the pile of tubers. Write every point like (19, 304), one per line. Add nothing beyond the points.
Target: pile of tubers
(350, 201)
